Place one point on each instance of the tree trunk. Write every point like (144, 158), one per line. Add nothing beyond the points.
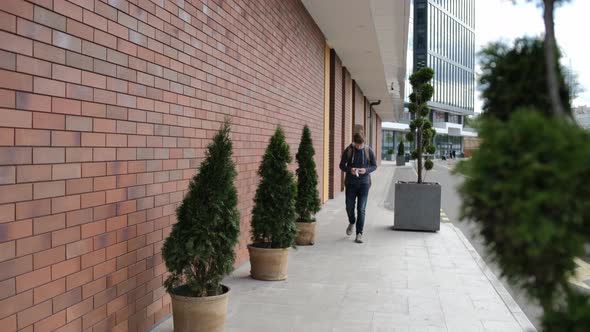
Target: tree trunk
(419, 142)
(550, 59)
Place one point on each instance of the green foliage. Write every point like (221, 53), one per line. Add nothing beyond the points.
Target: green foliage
(503, 72)
(428, 164)
(472, 122)
(200, 249)
(428, 135)
(401, 149)
(572, 315)
(421, 127)
(424, 111)
(418, 122)
(273, 215)
(390, 151)
(524, 189)
(308, 198)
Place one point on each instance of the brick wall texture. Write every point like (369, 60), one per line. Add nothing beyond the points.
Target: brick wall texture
(106, 108)
(336, 111)
(359, 106)
(347, 115)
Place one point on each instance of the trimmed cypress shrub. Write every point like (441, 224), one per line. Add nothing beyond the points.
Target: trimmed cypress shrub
(200, 249)
(421, 130)
(401, 149)
(308, 198)
(273, 215)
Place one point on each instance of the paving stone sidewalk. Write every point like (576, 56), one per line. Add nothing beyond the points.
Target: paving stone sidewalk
(395, 281)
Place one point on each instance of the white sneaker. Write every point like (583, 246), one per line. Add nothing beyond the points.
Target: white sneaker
(359, 238)
(349, 229)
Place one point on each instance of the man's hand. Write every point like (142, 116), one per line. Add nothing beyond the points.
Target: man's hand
(362, 170)
(353, 171)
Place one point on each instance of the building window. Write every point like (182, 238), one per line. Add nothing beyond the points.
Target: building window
(438, 117)
(454, 118)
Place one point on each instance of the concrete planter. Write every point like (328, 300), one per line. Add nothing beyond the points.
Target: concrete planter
(400, 160)
(268, 263)
(305, 234)
(199, 314)
(417, 206)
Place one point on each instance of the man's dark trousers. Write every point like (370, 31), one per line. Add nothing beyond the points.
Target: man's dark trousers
(358, 192)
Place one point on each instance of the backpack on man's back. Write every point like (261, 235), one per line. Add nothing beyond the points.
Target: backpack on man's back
(349, 153)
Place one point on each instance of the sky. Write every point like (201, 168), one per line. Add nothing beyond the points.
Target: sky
(504, 20)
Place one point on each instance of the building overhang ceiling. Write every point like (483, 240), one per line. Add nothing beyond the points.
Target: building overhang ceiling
(371, 38)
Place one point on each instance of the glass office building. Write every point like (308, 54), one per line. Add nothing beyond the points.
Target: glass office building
(442, 36)
(444, 39)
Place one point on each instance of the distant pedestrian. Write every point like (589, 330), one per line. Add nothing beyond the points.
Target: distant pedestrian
(358, 161)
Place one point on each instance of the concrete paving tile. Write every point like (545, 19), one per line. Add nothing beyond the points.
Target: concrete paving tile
(395, 281)
(496, 326)
(464, 324)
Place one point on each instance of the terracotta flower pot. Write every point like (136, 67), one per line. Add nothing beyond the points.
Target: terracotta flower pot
(306, 234)
(200, 314)
(268, 263)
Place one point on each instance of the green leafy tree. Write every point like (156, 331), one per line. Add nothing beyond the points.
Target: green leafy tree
(504, 90)
(401, 149)
(523, 185)
(421, 131)
(200, 249)
(308, 198)
(273, 215)
(523, 190)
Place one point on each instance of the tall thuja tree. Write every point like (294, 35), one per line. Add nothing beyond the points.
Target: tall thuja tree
(503, 66)
(421, 131)
(200, 249)
(523, 187)
(308, 197)
(551, 63)
(401, 149)
(273, 215)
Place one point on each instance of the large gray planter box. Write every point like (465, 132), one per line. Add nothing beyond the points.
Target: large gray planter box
(400, 160)
(417, 206)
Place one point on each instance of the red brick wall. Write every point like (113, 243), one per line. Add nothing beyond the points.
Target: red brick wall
(378, 145)
(359, 106)
(347, 116)
(335, 123)
(106, 110)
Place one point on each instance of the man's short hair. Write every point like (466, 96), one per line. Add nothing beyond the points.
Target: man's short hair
(358, 138)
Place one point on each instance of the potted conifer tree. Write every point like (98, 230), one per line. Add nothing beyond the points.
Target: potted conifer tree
(273, 216)
(400, 160)
(308, 197)
(417, 204)
(200, 249)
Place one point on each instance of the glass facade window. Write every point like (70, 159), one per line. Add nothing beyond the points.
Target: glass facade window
(445, 39)
(438, 117)
(446, 144)
(390, 141)
(454, 118)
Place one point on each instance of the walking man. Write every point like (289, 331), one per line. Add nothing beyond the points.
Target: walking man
(358, 161)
